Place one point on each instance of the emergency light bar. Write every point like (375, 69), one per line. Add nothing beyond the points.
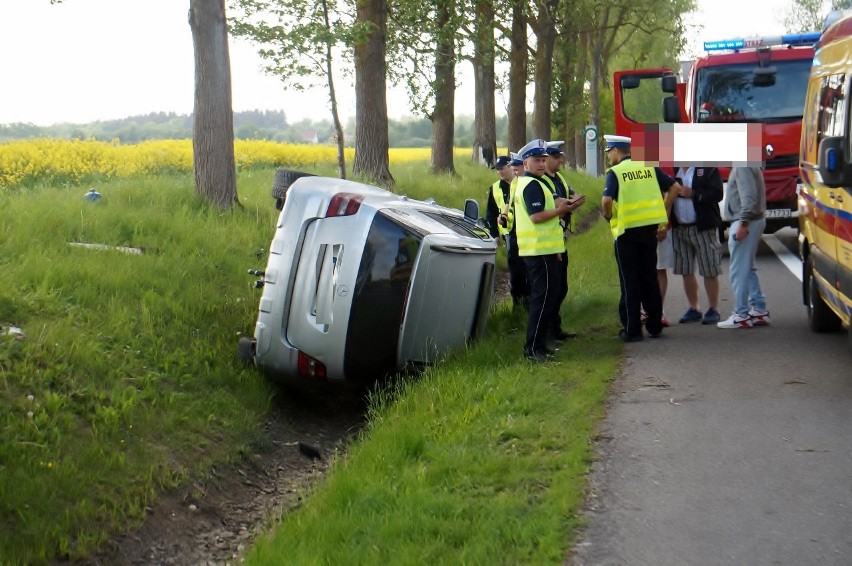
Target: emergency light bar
(793, 39)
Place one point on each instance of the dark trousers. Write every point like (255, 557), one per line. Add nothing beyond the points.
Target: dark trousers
(543, 274)
(562, 293)
(636, 255)
(518, 286)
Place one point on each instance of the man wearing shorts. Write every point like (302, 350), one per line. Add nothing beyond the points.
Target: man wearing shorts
(665, 261)
(695, 235)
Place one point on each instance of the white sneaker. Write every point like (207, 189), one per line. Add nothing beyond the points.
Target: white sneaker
(736, 321)
(759, 317)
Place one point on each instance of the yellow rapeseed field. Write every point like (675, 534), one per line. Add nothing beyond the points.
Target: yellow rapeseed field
(75, 162)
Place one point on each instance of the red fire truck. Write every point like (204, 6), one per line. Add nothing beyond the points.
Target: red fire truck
(759, 80)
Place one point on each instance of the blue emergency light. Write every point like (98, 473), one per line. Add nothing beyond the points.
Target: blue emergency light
(792, 39)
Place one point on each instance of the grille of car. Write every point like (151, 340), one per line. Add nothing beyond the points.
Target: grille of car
(783, 161)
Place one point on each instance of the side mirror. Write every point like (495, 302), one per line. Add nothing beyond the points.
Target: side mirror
(671, 110)
(668, 83)
(471, 210)
(630, 81)
(831, 162)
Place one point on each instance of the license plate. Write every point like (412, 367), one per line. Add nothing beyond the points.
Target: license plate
(778, 213)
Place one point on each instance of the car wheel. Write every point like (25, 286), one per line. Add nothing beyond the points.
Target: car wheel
(246, 348)
(283, 179)
(820, 317)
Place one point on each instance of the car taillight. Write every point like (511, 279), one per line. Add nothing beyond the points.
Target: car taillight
(344, 204)
(309, 367)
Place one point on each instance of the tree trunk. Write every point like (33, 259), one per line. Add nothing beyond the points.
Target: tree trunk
(213, 127)
(517, 112)
(546, 39)
(574, 107)
(595, 52)
(443, 117)
(332, 97)
(484, 122)
(371, 108)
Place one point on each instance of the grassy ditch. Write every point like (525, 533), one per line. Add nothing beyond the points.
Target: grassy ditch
(483, 459)
(123, 381)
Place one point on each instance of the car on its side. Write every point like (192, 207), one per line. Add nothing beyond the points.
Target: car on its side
(362, 283)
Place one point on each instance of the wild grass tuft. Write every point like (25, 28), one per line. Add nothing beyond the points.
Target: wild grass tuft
(125, 380)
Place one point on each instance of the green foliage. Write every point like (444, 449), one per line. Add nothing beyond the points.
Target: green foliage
(809, 15)
(295, 37)
(250, 125)
(126, 378)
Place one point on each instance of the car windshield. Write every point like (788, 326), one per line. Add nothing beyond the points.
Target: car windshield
(417, 223)
(735, 93)
(459, 225)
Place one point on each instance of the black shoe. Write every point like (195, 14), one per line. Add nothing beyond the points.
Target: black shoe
(630, 338)
(538, 356)
(562, 335)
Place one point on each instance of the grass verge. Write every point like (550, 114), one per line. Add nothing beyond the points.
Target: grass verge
(125, 382)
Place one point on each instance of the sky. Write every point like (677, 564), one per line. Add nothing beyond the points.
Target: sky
(88, 60)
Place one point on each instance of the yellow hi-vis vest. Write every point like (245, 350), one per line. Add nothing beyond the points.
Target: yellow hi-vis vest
(500, 201)
(565, 184)
(536, 239)
(640, 202)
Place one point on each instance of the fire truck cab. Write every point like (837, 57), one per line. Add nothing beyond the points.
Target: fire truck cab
(759, 80)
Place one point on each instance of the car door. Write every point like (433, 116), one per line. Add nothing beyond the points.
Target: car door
(448, 300)
(639, 99)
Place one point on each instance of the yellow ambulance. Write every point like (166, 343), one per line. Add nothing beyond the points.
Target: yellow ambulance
(825, 194)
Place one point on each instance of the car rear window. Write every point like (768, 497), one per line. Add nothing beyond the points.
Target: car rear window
(379, 299)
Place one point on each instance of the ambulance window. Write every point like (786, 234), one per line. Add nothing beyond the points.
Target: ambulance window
(832, 107)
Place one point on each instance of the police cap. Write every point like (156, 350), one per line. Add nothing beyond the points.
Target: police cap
(535, 147)
(616, 141)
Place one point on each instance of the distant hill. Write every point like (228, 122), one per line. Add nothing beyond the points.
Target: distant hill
(254, 124)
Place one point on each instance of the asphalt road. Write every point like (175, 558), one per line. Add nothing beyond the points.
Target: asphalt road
(727, 447)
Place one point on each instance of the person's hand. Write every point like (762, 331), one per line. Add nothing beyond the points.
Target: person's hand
(685, 192)
(661, 232)
(742, 231)
(563, 205)
(577, 201)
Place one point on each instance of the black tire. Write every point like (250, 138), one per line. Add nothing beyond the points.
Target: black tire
(246, 348)
(820, 317)
(283, 179)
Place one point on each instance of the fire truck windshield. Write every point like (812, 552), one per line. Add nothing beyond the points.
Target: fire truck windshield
(735, 93)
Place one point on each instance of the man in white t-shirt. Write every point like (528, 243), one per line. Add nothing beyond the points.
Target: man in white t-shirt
(695, 236)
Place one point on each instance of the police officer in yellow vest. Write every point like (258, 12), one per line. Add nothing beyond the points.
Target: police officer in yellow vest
(560, 188)
(500, 218)
(633, 203)
(540, 244)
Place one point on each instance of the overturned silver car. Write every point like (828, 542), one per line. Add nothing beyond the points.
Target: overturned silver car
(362, 283)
